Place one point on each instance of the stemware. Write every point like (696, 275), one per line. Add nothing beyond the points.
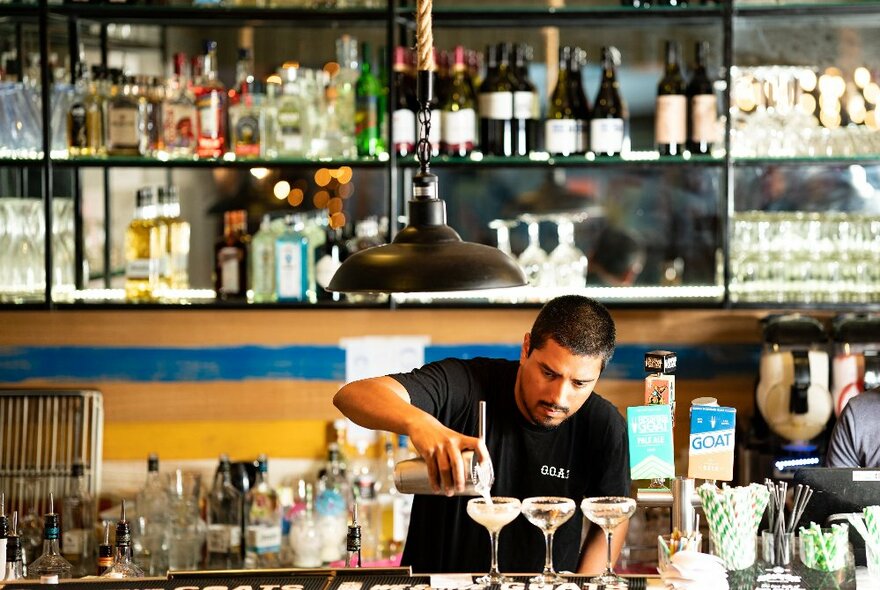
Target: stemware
(533, 260)
(568, 262)
(608, 512)
(548, 513)
(494, 514)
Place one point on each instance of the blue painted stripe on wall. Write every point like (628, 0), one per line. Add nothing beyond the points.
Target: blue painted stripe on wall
(303, 362)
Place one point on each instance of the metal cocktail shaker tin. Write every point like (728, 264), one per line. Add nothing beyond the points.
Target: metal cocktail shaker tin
(411, 476)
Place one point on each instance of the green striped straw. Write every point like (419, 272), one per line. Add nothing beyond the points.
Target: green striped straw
(825, 550)
(872, 521)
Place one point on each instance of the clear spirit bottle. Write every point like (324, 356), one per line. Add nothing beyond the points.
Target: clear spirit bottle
(51, 563)
(291, 262)
(77, 530)
(247, 122)
(291, 107)
(123, 566)
(305, 536)
(263, 521)
(179, 116)
(263, 262)
(151, 549)
(225, 514)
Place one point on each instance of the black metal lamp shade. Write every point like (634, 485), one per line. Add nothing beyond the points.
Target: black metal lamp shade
(427, 255)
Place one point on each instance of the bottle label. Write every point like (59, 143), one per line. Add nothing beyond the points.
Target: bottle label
(141, 269)
(459, 128)
(262, 539)
(704, 118)
(228, 259)
(436, 133)
(290, 256)
(73, 542)
(210, 107)
(524, 104)
(290, 131)
(670, 125)
(496, 105)
(247, 135)
(122, 125)
(223, 538)
(367, 117)
(561, 136)
(607, 135)
(179, 126)
(404, 121)
(77, 134)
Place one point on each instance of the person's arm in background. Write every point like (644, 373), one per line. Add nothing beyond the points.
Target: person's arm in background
(594, 553)
(382, 403)
(841, 447)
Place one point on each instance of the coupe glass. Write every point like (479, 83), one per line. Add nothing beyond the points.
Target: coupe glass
(608, 512)
(493, 514)
(548, 513)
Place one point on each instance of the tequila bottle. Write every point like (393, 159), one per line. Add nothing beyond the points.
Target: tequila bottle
(126, 120)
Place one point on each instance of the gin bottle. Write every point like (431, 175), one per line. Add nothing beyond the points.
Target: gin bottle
(51, 562)
(263, 262)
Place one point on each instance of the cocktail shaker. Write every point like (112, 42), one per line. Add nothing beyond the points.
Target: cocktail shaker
(411, 476)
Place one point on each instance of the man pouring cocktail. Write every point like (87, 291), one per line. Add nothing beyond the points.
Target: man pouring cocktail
(548, 435)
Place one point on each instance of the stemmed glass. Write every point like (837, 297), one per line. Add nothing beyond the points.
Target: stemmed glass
(608, 512)
(494, 514)
(533, 259)
(568, 262)
(503, 228)
(548, 513)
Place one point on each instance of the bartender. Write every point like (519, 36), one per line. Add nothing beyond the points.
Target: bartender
(548, 434)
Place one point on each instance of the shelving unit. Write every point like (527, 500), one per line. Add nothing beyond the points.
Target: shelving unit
(397, 22)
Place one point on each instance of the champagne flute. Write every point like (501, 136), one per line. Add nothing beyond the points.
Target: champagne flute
(608, 512)
(548, 513)
(494, 514)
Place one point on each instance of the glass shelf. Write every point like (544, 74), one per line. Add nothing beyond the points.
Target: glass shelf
(707, 294)
(824, 8)
(534, 16)
(542, 159)
(807, 160)
(141, 162)
(186, 299)
(19, 9)
(15, 161)
(222, 15)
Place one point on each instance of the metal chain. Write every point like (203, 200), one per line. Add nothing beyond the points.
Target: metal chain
(425, 51)
(423, 148)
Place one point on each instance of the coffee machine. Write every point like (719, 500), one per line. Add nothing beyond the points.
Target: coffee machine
(856, 364)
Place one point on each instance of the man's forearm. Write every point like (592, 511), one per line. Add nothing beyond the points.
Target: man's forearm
(594, 553)
(378, 404)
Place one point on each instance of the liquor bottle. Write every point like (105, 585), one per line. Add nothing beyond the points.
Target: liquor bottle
(332, 504)
(123, 566)
(291, 111)
(262, 263)
(13, 567)
(386, 495)
(230, 255)
(77, 531)
(405, 106)
(579, 98)
(225, 514)
(610, 120)
(561, 131)
(366, 119)
(526, 108)
(702, 108)
(496, 103)
(126, 120)
(105, 552)
(154, 100)
(262, 521)
(459, 114)
(244, 73)
(332, 254)
(313, 230)
(94, 104)
(210, 98)
(670, 124)
(142, 250)
(305, 536)
(51, 562)
(346, 89)
(4, 532)
(440, 84)
(179, 117)
(179, 232)
(383, 75)
(77, 120)
(291, 256)
(247, 122)
(152, 542)
(368, 508)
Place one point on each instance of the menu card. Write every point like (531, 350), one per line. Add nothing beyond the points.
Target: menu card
(651, 453)
(712, 441)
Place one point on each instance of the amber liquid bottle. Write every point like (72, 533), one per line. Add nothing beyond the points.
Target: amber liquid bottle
(231, 256)
(670, 123)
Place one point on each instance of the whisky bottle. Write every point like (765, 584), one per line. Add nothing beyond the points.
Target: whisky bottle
(211, 106)
(179, 117)
(141, 250)
(230, 256)
(126, 120)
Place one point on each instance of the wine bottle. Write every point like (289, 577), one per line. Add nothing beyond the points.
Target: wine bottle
(579, 98)
(670, 124)
(367, 92)
(496, 103)
(702, 107)
(610, 121)
(405, 106)
(561, 126)
(459, 117)
(526, 110)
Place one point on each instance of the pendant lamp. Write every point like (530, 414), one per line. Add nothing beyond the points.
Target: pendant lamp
(427, 255)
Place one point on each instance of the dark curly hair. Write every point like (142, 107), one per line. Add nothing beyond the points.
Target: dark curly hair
(579, 324)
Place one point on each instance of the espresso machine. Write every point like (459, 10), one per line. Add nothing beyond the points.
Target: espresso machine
(856, 364)
(793, 400)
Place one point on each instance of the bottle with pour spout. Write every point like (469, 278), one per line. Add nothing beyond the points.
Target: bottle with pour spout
(411, 475)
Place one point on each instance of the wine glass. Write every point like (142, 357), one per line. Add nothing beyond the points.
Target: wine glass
(608, 512)
(548, 513)
(494, 514)
(568, 262)
(533, 260)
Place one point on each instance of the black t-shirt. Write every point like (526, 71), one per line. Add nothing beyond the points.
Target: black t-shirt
(588, 455)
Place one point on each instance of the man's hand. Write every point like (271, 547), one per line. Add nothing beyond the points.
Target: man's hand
(441, 449)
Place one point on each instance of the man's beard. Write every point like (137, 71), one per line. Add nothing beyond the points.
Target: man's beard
(543, 423)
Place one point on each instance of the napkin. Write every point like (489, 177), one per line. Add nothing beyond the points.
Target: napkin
(691, 570)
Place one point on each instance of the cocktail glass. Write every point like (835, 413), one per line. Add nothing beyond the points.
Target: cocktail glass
(548, 513)
(494, 514)
(608, 512)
